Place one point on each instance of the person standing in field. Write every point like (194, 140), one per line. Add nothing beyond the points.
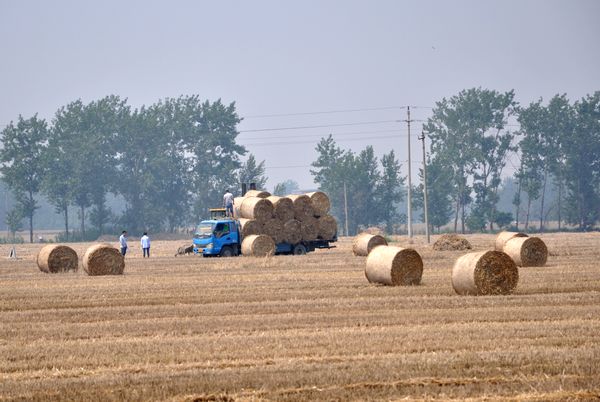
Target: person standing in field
(145, 240)
(123, 242)
(228, 203)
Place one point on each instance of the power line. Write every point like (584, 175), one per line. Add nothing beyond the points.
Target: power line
(334, 134)
(360, 123)
(314, 142)
(257, 116)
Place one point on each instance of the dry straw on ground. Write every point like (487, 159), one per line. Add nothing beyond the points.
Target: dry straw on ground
(258, 246)
(54, 258)
(365, 242)
(390, 265)
(292, 231)
(249, 227)
(485, 273)
(320, 203)
(257, 208)
(283, 208)
(527, 251)
(257, 193)
(103, 259)
(303, 208)
(503, 237)
(450, 242)
(327, 227)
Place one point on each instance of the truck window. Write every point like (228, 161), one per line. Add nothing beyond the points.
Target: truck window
(221, 229)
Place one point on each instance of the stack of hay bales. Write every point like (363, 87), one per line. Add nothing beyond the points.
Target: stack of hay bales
(524, 250)
(291, 219)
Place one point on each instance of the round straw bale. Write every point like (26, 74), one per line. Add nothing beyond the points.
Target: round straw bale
(395, 266)
(320, 202)
(327, 227)
(258, 246)
(365, 242)
(273, 228)
(485, 273)
(250, 227)
(103, 259)
(54, 258)
(257, 193)
(237, 205)
(257, 208)
(503, 237)
(527, 251)
(451, 241)
(309, 227)
(292, 231)
(303, 208)
(283, 208)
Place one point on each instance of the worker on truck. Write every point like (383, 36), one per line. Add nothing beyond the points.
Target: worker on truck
(228, 203)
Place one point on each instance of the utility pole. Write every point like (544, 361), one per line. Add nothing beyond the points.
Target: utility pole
(409, 199)
(422, 138)
(346, 207)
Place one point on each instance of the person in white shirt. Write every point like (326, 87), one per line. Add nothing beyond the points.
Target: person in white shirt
(228, 203)
(145, 240)
(123, 243)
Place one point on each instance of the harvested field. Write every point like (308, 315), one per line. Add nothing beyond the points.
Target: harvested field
(299, 328)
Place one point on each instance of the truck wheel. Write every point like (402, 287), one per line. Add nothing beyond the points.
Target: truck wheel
(299, 249)
(226, 252)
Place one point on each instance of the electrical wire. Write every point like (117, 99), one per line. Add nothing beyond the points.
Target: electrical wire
(360, 123)
(258, 116)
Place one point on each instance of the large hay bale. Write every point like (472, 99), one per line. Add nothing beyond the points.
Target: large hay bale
(273, 228)
(365, 242)
(250, 227)
(54, 258)
(283, 208)
(237, 206)
(327, 227)
(257, 193)
(503, 237)
(451, 241)
(258, 246)
(257, 208)
(390, 265)
(527, 251)
(309, 227)
(485, 273)
(292, 231)
(103, 259)
(303, 208)
(320, 202)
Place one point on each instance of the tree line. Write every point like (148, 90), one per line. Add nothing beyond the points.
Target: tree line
(169, 162)
(472, 137)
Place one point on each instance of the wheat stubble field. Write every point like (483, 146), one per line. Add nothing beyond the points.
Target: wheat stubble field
(298, 328)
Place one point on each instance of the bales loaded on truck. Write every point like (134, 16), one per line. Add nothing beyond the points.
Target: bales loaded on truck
(296, 224)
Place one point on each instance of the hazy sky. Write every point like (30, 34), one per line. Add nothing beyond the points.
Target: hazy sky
(290, 57)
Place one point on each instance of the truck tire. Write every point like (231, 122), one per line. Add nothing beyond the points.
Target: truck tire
(299, 249)
(226, 252)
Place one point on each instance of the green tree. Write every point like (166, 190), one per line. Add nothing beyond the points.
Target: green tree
(22, 162)
(14, 221)
(439, 192)
(389, 190)
(468, 132)
(287, 187)
(252, 172)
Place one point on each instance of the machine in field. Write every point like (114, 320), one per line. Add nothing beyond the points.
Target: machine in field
(221, 236)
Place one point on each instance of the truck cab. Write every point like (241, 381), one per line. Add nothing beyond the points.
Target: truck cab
(217, 237)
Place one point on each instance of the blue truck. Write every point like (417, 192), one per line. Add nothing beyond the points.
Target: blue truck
(220, 236)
